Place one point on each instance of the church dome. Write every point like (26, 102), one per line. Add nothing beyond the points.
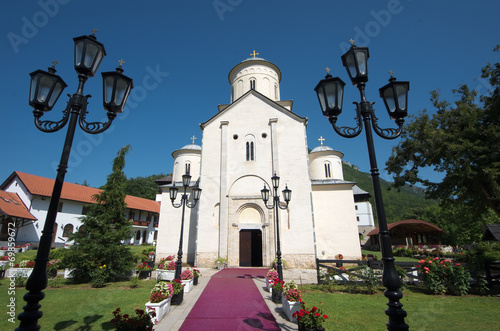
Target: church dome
(255, 73)
(326, 163)
(188, 158)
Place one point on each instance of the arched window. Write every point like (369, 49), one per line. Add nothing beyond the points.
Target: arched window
(250, 151)
(276, 91)
(328, 173)
(68, 230)
(188, 167)
(138, 235)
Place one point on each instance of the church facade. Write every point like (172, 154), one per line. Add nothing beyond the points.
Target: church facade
(244, 144)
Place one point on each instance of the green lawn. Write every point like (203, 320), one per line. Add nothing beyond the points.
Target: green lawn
(79, 307)
(425, 312)
(397, 258)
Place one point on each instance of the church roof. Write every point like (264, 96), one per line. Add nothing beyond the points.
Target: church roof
(279, 107)
(257, 60)
(322, 149)
(330, 182)
(193, 147)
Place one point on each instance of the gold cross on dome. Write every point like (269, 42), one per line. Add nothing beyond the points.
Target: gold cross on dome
(391, 72)
(54, 63)
(254, 53)
(193, 138)
(327, 70)
(351, 41)
(321, 139)
(121, 62)
(94, 31)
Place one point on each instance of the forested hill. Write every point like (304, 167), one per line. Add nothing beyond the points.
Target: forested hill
(398, 205)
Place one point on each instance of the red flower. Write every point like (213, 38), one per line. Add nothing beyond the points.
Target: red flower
(325, 317)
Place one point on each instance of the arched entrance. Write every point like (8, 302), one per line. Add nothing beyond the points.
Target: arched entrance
(250, 236)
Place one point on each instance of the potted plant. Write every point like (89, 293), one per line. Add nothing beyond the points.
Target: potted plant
(221, 263)
(187, 280)
(310, 319)
(291, 300)
(166, 269)
(144, 270)
(178, 293)
(272, 275)
(339, 257)
(52, 267)
(277, 286)
(141, 322)
(197, 275)
(159, 300)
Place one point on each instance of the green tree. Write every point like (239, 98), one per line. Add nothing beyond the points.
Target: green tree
(97, 252)
(461, 141)
(143, 187)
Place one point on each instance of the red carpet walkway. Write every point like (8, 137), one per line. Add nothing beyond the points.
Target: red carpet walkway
(231, 301)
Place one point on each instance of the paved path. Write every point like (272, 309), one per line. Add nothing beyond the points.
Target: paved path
(174, 320)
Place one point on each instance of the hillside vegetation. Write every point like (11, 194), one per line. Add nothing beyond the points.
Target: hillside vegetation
(398, 205)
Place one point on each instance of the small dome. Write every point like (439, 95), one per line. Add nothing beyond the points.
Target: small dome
(322, 149)
(254, 58)
(193, 147)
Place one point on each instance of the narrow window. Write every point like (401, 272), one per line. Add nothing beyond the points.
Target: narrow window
(251, 151)
(59, 208)
(252, 84)
(276, 91)
(188, 168)
(328, 174)
(248, 151)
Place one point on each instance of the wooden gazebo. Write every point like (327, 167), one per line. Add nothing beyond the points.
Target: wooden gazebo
(410, 232)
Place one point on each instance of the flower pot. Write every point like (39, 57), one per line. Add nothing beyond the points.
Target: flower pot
(161, 309)
(67, 273)
(188, 285)
(52, 273)
(268, 284)
(290, 307)
(276, 297)
(167, 275)
(3, 252)
(20, 272)
(177, 298)
(195, 280)
(143, 274)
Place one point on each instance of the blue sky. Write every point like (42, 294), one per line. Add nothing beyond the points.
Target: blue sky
(179, 54)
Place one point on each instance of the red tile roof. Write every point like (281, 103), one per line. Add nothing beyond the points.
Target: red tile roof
(12, 205)
(37, 185)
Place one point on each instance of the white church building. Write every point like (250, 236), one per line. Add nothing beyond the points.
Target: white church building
(244, 143)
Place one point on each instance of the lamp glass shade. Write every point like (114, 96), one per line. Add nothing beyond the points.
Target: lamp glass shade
(265, 194)
(330, 93)
(196, 193)
(173, 192)
(395, 96)
(88, 55)
(45, 89)
(287, 194)
(186, 180)
(356, 62)
(116, 90)
(276, 181)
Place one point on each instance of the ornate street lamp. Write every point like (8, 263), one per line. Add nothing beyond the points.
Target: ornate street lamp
(287, 195)
(186, 180)
(395, 96)
(45, 89)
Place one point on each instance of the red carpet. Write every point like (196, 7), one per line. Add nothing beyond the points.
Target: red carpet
(231, 301)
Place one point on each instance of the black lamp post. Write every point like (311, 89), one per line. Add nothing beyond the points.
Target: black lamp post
(395, 95)
(287, 195)
(186, 180)
(46, 87)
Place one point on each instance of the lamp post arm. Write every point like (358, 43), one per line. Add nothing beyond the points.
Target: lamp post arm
(389, 133)
(345, 131)
(51, 126)
(94, 127)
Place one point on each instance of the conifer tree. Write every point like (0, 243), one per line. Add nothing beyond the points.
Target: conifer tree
(98, 253)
